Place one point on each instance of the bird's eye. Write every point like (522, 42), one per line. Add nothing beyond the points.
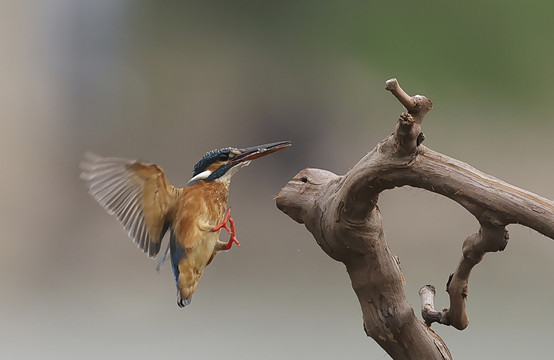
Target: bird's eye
(224, 157)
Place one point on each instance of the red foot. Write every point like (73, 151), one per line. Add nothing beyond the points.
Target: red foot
(231, 230)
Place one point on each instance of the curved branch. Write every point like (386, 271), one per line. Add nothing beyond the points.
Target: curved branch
(489, 199)
(313, 198)
(342, 214)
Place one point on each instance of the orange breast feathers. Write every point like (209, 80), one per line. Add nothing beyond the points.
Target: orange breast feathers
(201, 209)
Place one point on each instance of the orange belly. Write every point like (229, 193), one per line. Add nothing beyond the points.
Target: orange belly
(202, 208)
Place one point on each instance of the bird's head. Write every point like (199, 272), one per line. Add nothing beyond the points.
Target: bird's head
(222, 164)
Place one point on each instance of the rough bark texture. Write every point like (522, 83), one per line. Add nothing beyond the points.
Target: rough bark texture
(342, 214)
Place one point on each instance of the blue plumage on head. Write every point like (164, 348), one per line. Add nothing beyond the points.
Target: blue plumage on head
(208, 159)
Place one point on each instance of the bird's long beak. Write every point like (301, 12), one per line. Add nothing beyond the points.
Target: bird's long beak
(255, 152)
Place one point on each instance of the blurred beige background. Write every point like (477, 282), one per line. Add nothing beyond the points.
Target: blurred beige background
(167, 81)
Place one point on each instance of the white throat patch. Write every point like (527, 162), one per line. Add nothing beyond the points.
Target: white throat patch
(203, 175)
(226, 178)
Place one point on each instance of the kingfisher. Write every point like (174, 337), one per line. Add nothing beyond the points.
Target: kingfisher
(147, 205)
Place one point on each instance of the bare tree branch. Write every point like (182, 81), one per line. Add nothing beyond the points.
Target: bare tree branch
(428, 312)
(342, 214)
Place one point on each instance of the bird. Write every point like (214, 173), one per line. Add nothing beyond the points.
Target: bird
(147, 206)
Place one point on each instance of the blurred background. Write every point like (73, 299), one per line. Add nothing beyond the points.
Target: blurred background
(168, 81)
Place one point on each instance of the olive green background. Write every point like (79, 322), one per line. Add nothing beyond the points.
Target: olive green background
(166, 81)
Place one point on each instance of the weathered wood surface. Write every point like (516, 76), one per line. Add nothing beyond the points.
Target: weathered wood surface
(342, 214)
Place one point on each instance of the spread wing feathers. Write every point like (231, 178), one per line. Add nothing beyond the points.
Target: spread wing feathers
(138, 194)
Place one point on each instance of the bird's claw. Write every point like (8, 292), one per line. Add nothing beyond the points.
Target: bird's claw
(233, 238)
(230, 228)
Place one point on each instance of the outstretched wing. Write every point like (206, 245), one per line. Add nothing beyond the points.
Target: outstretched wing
(138, 194)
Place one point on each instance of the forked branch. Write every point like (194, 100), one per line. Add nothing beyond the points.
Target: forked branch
(342, 214)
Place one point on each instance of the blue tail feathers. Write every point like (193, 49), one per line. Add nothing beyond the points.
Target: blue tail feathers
(177, 253)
